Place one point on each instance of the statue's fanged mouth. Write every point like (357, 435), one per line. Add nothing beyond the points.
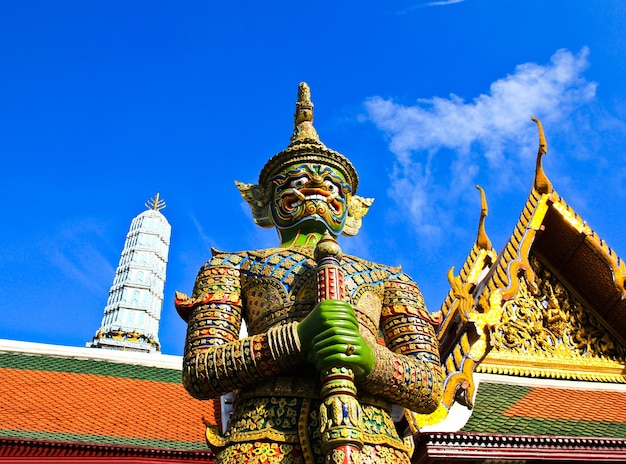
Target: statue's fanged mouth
(294, 198)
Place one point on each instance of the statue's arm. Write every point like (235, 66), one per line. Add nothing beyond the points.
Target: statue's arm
(215, 360)
(407, 370)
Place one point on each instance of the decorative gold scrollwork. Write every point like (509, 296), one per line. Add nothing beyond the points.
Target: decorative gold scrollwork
(552, 323)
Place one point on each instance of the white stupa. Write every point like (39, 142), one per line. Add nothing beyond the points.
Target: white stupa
(133, 310)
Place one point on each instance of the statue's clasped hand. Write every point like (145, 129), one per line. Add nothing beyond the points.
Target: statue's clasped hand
(330, 336)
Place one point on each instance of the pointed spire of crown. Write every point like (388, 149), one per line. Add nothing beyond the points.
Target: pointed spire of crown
(303, 129)
(306, 147)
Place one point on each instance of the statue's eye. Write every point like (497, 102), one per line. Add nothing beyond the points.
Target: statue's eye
(331, 187)
(299, 182)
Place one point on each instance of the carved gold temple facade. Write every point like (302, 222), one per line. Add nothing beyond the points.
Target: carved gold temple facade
(533, 344)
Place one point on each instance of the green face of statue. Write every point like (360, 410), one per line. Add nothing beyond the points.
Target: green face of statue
(310, 192)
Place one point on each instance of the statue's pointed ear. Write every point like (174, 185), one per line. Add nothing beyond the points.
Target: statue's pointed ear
(357, 208)
(258, 200)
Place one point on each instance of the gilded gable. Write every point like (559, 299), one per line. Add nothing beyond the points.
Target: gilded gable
(546, 331)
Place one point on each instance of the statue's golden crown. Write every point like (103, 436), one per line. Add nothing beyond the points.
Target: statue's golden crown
(306, 146)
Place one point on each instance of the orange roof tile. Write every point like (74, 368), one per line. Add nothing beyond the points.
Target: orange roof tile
(91, 404)
(580, 405)
(41, 400)
(538, 410)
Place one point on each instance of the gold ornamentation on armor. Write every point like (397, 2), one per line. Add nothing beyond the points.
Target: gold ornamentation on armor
(340, 412)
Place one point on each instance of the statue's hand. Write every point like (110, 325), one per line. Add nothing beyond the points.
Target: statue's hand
(330, 336)
(323, 317)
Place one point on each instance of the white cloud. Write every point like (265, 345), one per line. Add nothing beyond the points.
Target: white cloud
(441, 144)
(429, 4)
(443, 2)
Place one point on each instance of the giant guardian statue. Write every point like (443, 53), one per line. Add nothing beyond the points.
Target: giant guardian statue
(334, 342)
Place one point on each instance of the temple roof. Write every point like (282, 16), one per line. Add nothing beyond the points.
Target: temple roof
(99, 397)
(548, 410)
(534, 421)
(550, 305)
(585, 262)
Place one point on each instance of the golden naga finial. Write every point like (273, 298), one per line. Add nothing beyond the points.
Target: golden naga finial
(303, 119)
(156, 203)
(461, 291)
(482, 241)
(542, 183)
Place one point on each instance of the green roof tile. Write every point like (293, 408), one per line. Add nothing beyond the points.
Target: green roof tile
(88, 366)
(104, 439)
(493, 400)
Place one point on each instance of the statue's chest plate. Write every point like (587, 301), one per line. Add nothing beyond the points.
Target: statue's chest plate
(279, 285)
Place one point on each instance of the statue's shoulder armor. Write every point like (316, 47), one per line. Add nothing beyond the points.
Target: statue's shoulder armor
(372, 265)
(295, 253)
(372, 272)
(217, 281)
(225, 259)
(285, 265)
(282, 264)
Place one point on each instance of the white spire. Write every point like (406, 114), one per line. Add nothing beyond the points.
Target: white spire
(133, 310)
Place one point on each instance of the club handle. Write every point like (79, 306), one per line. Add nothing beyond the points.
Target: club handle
(340, 411)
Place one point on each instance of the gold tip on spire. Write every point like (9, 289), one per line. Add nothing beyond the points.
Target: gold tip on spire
(156, 203)
(542, 183)
(303, 129)
(482, 240)
(543, 146)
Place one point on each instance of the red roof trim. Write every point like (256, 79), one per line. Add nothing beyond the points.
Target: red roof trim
(431, 447)
(39, 450)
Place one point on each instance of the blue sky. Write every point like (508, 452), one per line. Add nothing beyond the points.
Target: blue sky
(102, 104)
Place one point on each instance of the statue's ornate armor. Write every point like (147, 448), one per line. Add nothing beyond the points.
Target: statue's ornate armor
(276, 416)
